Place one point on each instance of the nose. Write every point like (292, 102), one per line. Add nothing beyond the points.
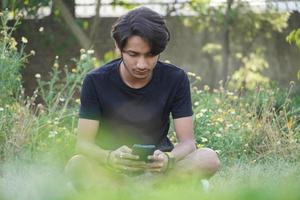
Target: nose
(142, 63)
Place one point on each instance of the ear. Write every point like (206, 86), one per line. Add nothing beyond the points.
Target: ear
(117, 50)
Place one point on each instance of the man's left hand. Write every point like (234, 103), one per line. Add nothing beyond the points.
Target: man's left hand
(159, 162)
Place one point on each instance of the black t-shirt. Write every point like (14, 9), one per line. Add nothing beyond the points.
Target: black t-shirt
(130, 116)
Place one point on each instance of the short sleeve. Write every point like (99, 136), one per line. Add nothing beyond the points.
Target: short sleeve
(90, 105)
(182, 103)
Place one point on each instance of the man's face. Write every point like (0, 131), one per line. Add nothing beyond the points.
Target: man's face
(137, 59)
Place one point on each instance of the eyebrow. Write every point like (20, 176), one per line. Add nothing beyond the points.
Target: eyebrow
(132, 51)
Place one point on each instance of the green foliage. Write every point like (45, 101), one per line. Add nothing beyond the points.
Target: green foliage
(250, 74)
(244, 27)
(294, 37)
(11, 61)
(30, 7)
(259, 124)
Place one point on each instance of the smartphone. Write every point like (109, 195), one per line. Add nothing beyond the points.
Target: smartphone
(143, 151)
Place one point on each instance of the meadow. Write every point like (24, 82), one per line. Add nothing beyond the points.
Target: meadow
(255, 132)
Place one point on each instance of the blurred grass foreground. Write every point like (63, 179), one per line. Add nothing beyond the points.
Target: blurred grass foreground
(256, 133)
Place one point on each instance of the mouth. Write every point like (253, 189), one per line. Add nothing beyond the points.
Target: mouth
(141, 72)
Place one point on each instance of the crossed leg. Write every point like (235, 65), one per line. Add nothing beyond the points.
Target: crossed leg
(85, 173)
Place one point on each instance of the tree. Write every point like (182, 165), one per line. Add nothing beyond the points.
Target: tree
(236, 28)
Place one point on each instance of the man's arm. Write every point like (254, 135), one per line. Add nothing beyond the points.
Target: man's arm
(185, 135)
(87, 130)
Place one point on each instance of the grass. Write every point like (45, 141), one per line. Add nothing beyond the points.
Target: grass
(271, 180)
(256, 134)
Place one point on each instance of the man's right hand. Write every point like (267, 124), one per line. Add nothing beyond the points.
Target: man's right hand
(123, 160)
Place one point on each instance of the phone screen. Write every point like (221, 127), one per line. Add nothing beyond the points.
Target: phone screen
(143, 151)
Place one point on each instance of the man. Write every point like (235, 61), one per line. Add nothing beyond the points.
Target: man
(128, 101)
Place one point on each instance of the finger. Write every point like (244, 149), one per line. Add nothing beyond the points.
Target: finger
(125, 149)
(159, 158)
(154, 170)
(131, 163)
(155, 165)
(129, 156)
(128, 168)
(157, 152)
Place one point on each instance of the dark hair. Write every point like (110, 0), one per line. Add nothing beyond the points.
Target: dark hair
(145, 23)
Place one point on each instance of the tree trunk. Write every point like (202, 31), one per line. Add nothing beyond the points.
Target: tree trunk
(79, 34)
(226, 41)
(70, 4)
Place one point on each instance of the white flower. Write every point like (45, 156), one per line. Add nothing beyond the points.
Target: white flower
(32, 52)
(41, 29)
(90, 51)
(38, 76)
(218, 151)
(61, 99)
(191, 74)
(83, 56)
(82, 51)
(199, 115)
(1, 109)
(52, 134)
(203, 139)
(196, 103)
(24, 40)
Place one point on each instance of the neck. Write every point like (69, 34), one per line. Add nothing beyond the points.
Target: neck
(131, 81)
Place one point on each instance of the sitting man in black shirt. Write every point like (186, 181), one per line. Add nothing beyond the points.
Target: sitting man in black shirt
(128, 101)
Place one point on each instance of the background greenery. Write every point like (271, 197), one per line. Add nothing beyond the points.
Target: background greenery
(252, 124)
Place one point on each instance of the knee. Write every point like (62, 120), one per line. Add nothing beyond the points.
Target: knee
(76, 165)
(209, 162)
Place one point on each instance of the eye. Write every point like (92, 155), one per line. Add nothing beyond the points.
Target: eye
(132, 54)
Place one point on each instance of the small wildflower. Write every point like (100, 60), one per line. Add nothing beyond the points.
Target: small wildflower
(278, 142)
(206, 87)
(218, 135)
(20, 15)
(199, 115)
(52, 134)
(24, 40)
(77, 101)
(83, 56)
(90, 51)
(74, 70)
(61, 99)
(56, 57)
(38, 76)
(196, 103)
(218, 151)
(41, 29)
(203, 139)
(32, 52)
(1, 109)
(191, 74)
(56, 65)
(217, 100)
(203, 110)
(198, 78)
(82, 51)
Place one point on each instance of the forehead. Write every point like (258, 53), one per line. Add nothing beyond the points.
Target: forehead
(137, 44)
